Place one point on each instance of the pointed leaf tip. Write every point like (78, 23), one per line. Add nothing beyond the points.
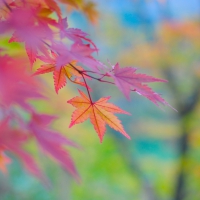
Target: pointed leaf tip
(127, 80)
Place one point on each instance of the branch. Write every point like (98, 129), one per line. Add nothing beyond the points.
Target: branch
(85, 73)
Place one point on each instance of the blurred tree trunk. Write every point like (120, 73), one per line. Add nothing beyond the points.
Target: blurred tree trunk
(180, 184)
(184, 108)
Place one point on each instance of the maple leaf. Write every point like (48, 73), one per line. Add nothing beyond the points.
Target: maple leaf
(87, 7)
(91, 12)
(127, 80)
(74, 34)
(99, 112)
(82, 53)
(12, 139)
(31, 26)
(78, 35)
(16, 86)
(74, 3)
(4, 160)
(59, 74)
(52, 142)
(54, 6)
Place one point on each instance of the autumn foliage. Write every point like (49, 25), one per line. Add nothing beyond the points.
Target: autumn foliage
(67, 53)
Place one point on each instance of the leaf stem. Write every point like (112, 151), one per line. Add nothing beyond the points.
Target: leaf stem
(87, 89)
(82, 74)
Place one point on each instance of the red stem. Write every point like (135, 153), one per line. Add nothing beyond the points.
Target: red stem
(87, 89)
(82, 74)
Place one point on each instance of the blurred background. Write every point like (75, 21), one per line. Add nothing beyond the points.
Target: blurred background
(162, 159)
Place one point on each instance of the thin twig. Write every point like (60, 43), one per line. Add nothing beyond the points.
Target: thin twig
(87, 89)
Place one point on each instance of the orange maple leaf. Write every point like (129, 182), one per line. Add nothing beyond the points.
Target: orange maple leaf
(87, 7)
(60, 75)
(54, 6)
(91, 12)
(99, 112)
(4, 160)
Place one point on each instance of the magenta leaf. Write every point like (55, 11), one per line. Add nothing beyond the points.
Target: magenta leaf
(127, 80)
(12, 140)
(52, 142)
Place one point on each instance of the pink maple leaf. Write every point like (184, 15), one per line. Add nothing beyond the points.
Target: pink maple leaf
(12, 139)
(83, 54)
(16, 86)
(52, 142)
(127, 80)
(29, 28)
(74, 34)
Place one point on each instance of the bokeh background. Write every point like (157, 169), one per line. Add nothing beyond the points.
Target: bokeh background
(162, 159)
